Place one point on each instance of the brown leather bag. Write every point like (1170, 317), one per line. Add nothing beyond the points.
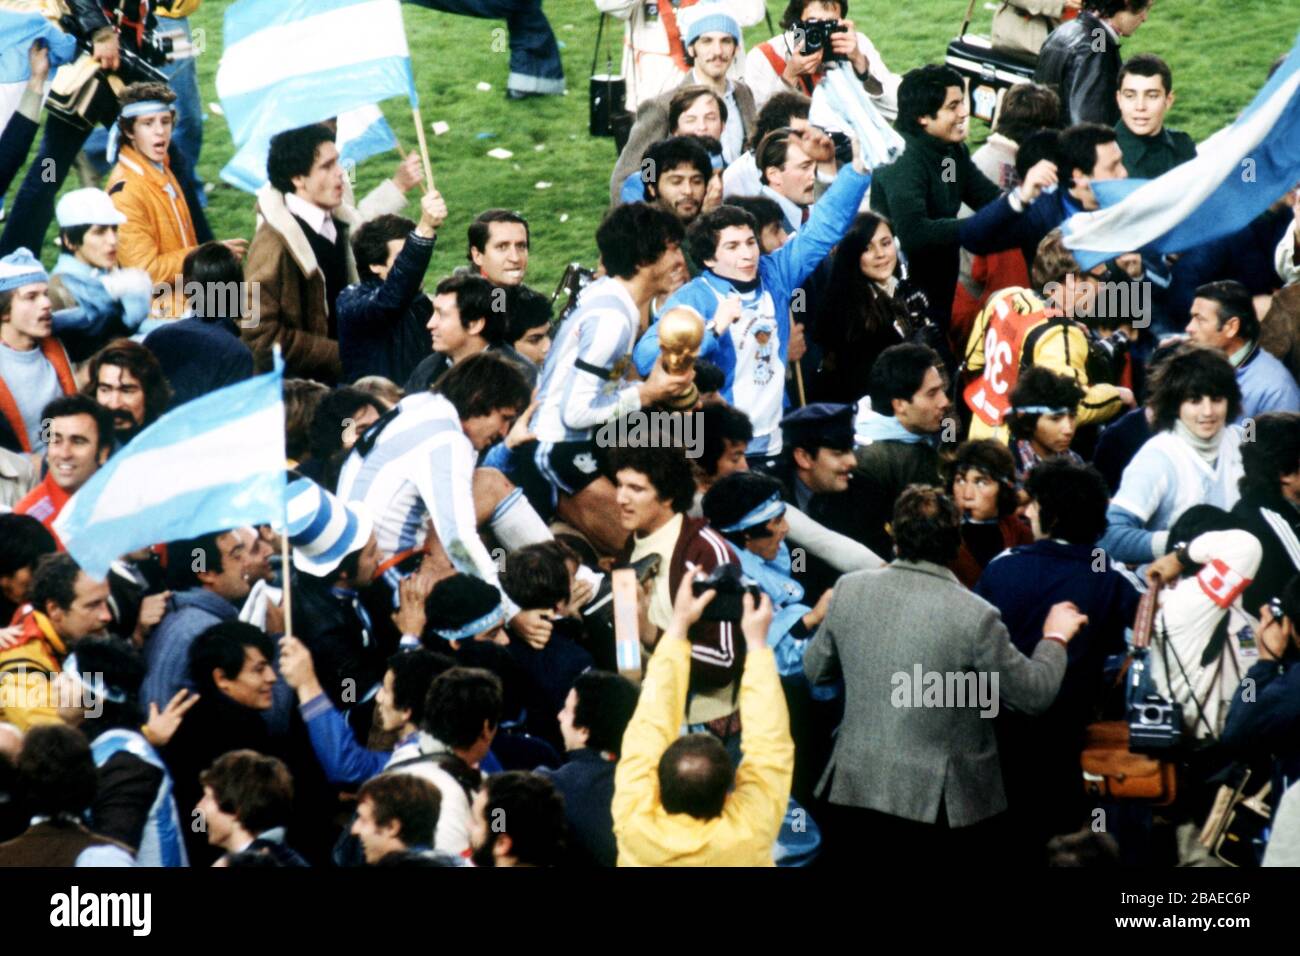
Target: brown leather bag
(1110, 769)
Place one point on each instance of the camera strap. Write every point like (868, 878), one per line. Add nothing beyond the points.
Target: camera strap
(1165, 651)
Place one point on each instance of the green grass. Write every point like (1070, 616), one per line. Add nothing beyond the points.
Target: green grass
(1219, 50)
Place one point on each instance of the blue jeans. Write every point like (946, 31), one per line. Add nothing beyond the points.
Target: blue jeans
(534, 55)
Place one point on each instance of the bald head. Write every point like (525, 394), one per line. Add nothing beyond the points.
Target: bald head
(695, 774)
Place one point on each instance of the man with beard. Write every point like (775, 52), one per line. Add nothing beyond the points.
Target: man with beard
(518, 821)
(127, 380)
(676, 173)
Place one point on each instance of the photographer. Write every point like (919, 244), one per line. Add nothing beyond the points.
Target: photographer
(1265, 714)
(677, 800)
(790, 62)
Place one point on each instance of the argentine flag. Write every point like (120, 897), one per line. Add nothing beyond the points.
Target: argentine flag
(1237, 174)
(289, 63)
(214, 463)
(21, 23)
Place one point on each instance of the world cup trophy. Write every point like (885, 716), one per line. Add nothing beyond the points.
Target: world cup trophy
(681, 332)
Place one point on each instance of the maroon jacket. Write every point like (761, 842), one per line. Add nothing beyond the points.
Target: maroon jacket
(717, 648)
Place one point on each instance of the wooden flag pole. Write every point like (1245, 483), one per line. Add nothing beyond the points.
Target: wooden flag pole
(424, 149)
(798, 381)
(286, 572)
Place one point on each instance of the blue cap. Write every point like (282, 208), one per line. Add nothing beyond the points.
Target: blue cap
(708, 18)
(820, 425)
(21, 268)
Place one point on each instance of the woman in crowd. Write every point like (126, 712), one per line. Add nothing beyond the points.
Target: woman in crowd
(867, 308)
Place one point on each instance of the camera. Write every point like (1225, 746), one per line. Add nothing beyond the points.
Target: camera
(731, 584)
(1155, 724)
(575, 279)
(816, 35)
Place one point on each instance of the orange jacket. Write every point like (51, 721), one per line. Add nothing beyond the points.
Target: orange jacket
(44, 502)
(159, 232)
(57, 356)
(26, 670)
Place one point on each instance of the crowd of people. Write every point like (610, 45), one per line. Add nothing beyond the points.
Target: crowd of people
(877, 605)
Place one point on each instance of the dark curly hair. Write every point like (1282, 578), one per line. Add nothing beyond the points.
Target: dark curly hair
(1274, 452)
(634, 236)
(1071, 499)
(666, 468)
(1192, 372)
(927, 525)
(1040, 386)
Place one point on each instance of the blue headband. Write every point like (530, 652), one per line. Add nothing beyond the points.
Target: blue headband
(475, 627)
(1039, 410)
(771, 508)
(131, 111)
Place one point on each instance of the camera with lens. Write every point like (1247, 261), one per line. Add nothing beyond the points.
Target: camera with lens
(731, 585)
(916, 325)
(1155, 724)
(816, 35)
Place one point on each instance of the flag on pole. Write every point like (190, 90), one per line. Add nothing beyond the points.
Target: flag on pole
(214, 463)
(289, 63)
(1237, 174)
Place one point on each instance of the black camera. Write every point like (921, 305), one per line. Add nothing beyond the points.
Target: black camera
(816, 35)
(1155, 725)
(576, 278)
(731, 584)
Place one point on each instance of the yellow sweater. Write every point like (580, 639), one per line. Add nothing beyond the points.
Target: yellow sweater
(751, 819)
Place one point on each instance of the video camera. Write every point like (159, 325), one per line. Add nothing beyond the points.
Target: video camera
(731, 584)
(816, 35)
(143, 62)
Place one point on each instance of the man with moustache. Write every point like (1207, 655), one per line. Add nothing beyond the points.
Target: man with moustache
(127, 380)
(80, 440)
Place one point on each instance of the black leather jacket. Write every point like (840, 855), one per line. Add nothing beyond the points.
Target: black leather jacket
(1081, 61)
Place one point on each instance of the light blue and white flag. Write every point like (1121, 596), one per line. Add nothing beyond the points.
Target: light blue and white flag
(21, 23)
(214, 463)
(289, 63)
(1237, 174)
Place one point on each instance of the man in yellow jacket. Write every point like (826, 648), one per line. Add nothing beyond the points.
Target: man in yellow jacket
(1018, 329)
(66, 606)
(159, 231)
(671, 801)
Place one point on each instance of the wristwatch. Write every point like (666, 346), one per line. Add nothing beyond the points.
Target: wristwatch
(1179, 551)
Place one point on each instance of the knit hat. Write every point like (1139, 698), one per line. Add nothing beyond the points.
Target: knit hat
(21, 268)
(87, 207)
(708, 18)
(323, 529)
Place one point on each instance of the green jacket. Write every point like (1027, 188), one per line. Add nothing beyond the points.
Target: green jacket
(1146, 157)
(920, 193)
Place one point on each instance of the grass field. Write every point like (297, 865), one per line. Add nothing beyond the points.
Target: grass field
(1220, 51)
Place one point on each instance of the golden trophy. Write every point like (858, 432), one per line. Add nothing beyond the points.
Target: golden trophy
(681, 332)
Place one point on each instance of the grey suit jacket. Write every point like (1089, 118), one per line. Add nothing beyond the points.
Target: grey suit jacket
(652, 125)
(892, 754)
